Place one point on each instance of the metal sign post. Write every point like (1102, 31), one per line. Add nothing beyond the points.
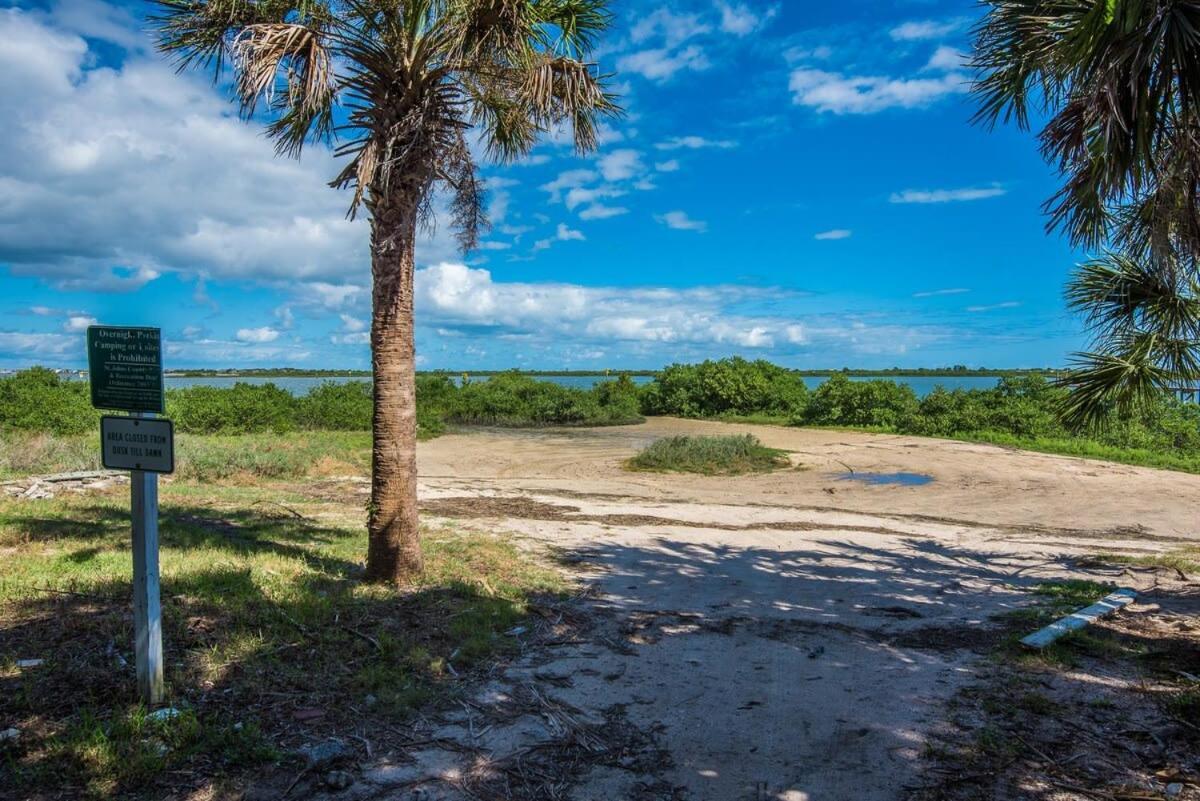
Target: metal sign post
(147, 611)
(125, 371)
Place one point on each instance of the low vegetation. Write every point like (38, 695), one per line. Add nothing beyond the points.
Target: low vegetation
(271, 639)
(1020, 411)
(729, 455)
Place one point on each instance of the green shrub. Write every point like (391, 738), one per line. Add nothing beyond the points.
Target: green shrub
(511, 399)
(727, 387)
(336, 407)
(842, 402)
(726, 455)
(39, 400)
(240, 409)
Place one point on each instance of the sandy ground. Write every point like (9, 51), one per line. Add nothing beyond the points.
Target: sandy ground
(787, 636)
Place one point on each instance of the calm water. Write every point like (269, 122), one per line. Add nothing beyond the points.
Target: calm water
(922, 385)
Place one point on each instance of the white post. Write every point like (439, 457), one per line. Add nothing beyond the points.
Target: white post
(147, 613)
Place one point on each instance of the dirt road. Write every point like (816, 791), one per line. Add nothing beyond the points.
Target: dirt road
(785, 636)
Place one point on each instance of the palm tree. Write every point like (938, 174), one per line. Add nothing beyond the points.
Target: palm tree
(1120, 83)
(396, 86)
(1146, 322)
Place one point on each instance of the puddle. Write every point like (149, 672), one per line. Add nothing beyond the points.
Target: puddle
(879, 479)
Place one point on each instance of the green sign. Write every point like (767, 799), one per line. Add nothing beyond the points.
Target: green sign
(125, 368)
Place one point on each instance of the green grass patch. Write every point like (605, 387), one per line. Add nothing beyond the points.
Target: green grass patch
(725, 455)
(203, 458)
(264, 616)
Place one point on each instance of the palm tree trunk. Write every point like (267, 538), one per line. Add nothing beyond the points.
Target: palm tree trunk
(394, 547)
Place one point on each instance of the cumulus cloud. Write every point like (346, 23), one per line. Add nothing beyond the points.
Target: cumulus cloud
(694, 143)
(836, 233)
(947, 58)
(454, 298)
(620, 165)
(661, 64)
(78, 322)
(673, 28)
(918, 30)
(946, 195)
(257, 335)
(838, 93)
(680, 221)
(599, 211)
(96, 159)
(741, 20)
(670, 165)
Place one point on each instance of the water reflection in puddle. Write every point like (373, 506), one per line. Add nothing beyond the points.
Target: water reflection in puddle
(880, 479)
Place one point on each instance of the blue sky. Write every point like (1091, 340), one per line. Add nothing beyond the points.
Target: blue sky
(793, 181)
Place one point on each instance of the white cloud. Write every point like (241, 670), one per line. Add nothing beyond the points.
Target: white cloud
(661, 64)
(352, 324)
(620, 165)
(598, 211)
(918, 30)
(257, 335)
(582, 195)
(670, 165)
(946, 195)
(32, 348)
(565, 234)
(570, 179)
(863, 94)
(679, 221)
(741, 20)
(356, 338)
(454, 299)
(836, 233)
(673, 28)
(78, 322)
(947, 59)
(694, 143)
(935, 293)
(1008, 304)
(95, 158)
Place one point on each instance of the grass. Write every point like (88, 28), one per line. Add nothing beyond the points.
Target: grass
(264, 618)
(1186, 560)
(725, 455)
(201, 457)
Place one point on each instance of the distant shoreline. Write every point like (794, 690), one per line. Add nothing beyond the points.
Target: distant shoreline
(945, 372)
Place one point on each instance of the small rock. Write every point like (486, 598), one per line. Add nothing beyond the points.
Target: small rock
(516, 631)
(1174, 789)
(166, 713)
(370, 700)
(338, 780)
(10, 735)
(29, 663)
(323, 754)
(814, 653)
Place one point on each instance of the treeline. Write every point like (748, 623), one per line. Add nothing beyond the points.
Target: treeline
(39, 400)
(1021, 410)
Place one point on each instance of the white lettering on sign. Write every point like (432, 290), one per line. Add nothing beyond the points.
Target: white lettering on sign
(137, 443)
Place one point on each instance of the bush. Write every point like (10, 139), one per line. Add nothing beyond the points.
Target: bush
(727, 387)
(511, 399)
(39, 400)
(727, 455)
(336, 407)
(842, 402)
(240, 409)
